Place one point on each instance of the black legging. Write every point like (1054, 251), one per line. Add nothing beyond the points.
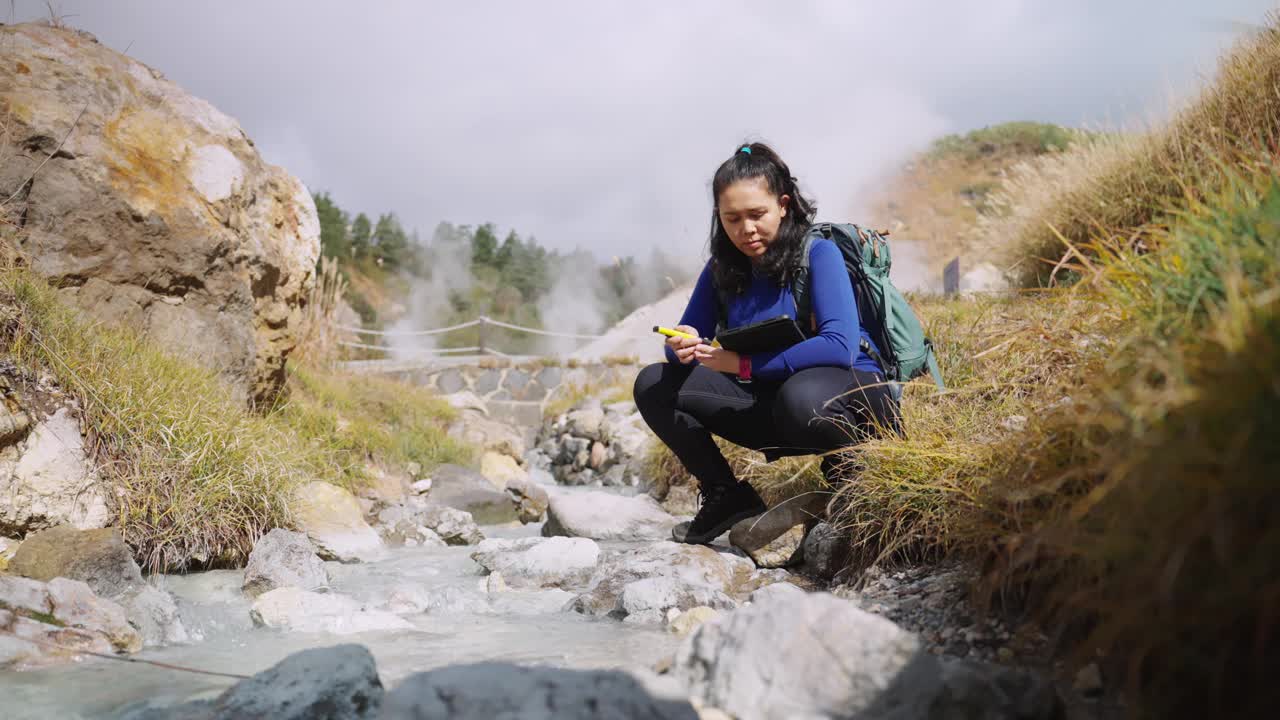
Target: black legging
(813, 411)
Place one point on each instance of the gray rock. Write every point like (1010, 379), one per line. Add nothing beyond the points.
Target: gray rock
(827, 551)
(332, 683)
(775, 539)
(155, 615)
(477, 429)
(214, 254)
(401, 525)
(453, 526)
(653, 579)
(486, 691)
(281, 558)
(931, 687)
(468, 490)
(97, 557)
(606, 516)
(539, 562)
(586, 423)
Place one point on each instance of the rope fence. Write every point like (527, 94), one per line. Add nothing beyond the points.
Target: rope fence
(482, 346)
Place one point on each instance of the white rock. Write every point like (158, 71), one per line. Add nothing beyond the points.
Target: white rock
(52, 483)
(791, 657)
(215, 172)
(290, 608)
(649, 581)
(539, 562)
(607, 516)
(687, 622)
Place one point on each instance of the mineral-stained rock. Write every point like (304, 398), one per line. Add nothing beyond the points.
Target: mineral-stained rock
(157, 211)
(332, 518)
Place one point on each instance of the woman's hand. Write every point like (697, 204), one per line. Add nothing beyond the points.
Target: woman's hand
(684, 347)
(718, 359)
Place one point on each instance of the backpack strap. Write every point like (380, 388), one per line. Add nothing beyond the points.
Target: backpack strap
(800, 291)
(932, 362)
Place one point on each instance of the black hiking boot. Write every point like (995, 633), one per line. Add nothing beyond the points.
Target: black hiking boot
(722, 506)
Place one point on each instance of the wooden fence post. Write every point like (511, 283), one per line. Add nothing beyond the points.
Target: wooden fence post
(951, 278)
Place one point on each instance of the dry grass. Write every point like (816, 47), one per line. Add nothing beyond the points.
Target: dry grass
(1108, 451)
(352, 422)
(940, 194)
(1124, 188)
(196, 478)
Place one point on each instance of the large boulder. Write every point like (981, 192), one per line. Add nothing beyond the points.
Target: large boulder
(787, 656)
(44, 623)
(283, 558)
(501, 690)
(791, 654)
(539, 562)
(464, 489)
(157, 210)
(331, 517)
(605, 516)
(97, 557)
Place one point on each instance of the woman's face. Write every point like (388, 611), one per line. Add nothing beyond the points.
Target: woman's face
(750, 214)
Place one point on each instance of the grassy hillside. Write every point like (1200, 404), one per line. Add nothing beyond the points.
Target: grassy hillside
(1107, 451)
(196, 478)
(938, 197)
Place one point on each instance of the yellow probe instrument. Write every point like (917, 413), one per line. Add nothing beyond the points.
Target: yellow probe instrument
(676, 333)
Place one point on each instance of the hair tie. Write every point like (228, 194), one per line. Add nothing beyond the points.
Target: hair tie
(746, 149)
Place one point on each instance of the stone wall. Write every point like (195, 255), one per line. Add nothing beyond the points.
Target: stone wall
(518, 391)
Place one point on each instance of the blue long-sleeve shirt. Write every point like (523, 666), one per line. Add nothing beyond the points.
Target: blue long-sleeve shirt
(836, 341)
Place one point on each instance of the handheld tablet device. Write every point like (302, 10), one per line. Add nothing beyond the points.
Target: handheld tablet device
(772, 334)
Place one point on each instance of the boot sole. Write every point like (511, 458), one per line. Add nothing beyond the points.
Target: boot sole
(718, 530)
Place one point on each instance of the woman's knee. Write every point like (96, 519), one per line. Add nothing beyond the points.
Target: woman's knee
(654, 387)
(801, 399)
(808, 410)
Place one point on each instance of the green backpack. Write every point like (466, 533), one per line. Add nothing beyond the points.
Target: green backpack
(905, 352)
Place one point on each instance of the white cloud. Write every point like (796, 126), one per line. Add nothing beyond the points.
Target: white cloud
(599, 124)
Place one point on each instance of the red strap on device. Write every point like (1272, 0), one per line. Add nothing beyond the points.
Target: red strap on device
(744, 368)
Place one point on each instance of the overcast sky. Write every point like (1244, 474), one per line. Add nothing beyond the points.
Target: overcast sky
(598, 123)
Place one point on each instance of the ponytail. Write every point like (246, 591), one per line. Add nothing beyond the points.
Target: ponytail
(730, 269)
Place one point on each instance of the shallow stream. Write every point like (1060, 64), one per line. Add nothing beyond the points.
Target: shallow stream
(462, 624)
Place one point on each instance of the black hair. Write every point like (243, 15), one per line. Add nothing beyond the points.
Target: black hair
(730, 269)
